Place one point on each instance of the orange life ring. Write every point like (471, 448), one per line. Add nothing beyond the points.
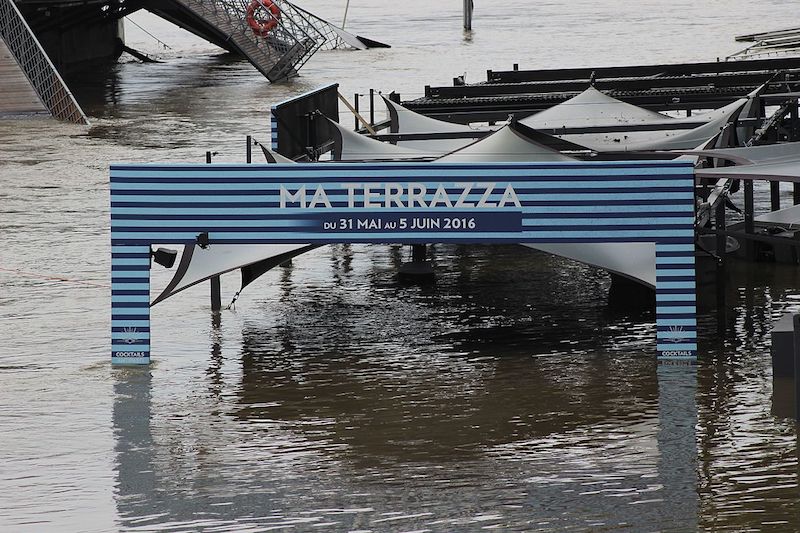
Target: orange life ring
(259, 26)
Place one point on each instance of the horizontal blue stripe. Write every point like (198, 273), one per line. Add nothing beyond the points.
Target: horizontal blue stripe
(126, 299)
(668, 310)
(674, 260)
(144, 287)
(125, 305)
(290, 230)
(131, 255)
(675, 278)
(402, 170)
(653, 221)
(666, 304)
(336, 186)
(672, 164)
(130, 324)
(128, 270)
(691, 346)
(130, 292)
(669, 321)
(130, 277)
(675, 298)
(141, 250)
(123, 361)
(408, 239)
(662, 290)
(554, 213)
(173, 225)
(677, 285)
(382, 170)
(163, 203)
(254, 234)
(130, 320)
(675, 251)
(144, 262)
(674, 269)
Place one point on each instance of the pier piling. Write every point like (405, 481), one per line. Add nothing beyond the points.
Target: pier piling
(796, 328)
(216, 285)
(722, 241)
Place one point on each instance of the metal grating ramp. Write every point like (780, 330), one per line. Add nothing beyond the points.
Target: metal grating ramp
(293, 36)
(33, 62)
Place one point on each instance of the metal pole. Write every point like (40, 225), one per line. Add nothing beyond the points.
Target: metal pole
(249, 148)
(775, 195)
(468, 15)
(418, 253)
(796, 326)
(216, 292)
(719, 222)
(355, 117)
(749, 224)
(372, 107)
(344, 19)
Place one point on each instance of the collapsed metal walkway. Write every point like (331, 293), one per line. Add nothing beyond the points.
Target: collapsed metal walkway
(275, 36)
(294, 34)
(31, 84)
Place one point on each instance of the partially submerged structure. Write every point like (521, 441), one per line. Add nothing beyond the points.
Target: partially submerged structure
(588, 125)
(40, 38)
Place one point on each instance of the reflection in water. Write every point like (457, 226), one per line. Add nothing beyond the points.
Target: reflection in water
(371, 404)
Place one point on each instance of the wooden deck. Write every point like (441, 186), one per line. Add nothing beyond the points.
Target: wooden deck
(17, 96)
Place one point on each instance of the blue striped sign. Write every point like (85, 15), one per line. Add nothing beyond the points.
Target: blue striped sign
(572, 202)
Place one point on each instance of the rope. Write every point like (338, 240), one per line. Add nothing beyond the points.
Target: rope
(162, 43)
(54, 278)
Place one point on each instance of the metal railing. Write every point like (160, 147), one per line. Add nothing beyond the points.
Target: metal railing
(294, 34)
(36, 65)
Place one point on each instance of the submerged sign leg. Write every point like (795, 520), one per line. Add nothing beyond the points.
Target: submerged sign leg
(676, 302)
(130, 305)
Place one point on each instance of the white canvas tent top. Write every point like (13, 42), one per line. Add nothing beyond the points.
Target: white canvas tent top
(200, 264)
(632, 260)
(509, 143)
(748, 155)
(352, 146)
(773, 162)
(612, 125)
(592, 108)
(406, 121)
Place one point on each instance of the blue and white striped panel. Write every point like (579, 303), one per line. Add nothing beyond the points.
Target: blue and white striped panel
(130, 305)
(273, 129)
(574, 202)
(676, 302)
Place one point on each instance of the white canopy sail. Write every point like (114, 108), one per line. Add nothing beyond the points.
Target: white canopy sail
(612, 125)
(592, 108)
(200, 264)
(633, 260)
(352, 146)
(509, 143)
(748, 155)
(406, 121)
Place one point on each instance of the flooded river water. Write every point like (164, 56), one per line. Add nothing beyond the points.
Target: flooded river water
(508, 395)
